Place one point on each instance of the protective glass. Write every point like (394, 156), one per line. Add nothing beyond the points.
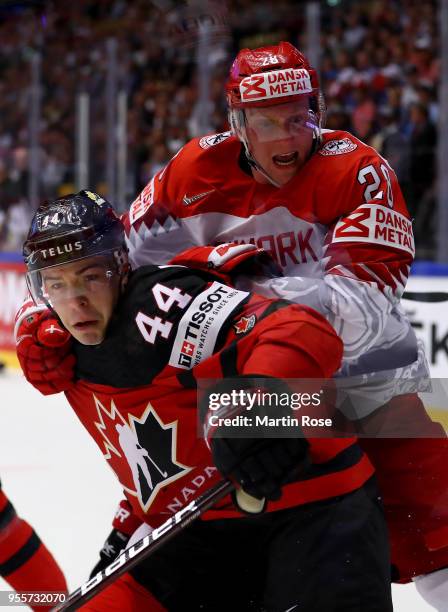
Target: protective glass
(279, 122)
(86, 277)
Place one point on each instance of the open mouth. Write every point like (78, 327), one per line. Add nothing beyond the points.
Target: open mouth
(286, 159)
(85, 324)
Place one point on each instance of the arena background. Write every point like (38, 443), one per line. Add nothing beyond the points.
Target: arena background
(102, 93)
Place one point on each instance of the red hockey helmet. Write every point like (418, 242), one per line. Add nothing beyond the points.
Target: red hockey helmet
(270, 75)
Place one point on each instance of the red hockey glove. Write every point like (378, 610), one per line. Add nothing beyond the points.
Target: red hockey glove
(124, 524)
(230, 260)
(43, 348)
(125, 520)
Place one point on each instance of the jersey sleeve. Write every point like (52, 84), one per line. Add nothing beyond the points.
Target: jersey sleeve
(371, 236)
(368, 250)
(294, 342)
(155, 225)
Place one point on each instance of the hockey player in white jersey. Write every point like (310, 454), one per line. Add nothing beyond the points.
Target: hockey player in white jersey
(329, 210)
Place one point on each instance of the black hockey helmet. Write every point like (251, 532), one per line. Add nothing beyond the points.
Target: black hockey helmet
(70, 228)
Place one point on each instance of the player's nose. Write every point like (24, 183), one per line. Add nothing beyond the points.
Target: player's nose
(77, 301)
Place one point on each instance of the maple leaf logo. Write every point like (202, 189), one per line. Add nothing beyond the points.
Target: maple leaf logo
(140, 450)
(245, 324)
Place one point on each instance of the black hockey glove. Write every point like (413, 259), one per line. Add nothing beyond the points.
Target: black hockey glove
(260, 466)
(250, 454)
(112, 547)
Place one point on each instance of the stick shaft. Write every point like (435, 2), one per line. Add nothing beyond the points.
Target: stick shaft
(130, 557)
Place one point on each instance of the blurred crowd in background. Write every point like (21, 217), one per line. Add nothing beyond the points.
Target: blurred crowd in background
(379, 70)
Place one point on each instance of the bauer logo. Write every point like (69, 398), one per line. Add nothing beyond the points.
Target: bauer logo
(338, 147)
(275, 84)
(377, 225)
(132, 551)
(199, 327)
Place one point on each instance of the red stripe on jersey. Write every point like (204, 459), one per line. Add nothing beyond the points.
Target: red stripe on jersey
(308, 491)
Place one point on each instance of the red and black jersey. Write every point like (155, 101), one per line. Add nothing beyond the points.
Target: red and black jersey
(137, 397)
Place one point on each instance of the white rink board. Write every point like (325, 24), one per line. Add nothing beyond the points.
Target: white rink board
(57, 480)
(430, 321)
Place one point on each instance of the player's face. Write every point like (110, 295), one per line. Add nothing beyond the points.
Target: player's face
(280, 138)
(83, 294)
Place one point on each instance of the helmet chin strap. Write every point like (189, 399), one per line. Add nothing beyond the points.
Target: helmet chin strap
(254, 164)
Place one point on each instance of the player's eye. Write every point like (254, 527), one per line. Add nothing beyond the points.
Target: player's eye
(298, 122)
(263, 124)
(56, 286)
(91, 278)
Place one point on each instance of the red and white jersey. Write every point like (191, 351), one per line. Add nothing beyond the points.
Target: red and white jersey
(339, 229)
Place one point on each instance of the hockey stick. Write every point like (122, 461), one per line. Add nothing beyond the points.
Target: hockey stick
(426, 296)
(130, 557)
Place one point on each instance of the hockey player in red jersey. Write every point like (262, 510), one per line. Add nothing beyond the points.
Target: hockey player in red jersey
(329, 210)
(142, 341)
(25, 562)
